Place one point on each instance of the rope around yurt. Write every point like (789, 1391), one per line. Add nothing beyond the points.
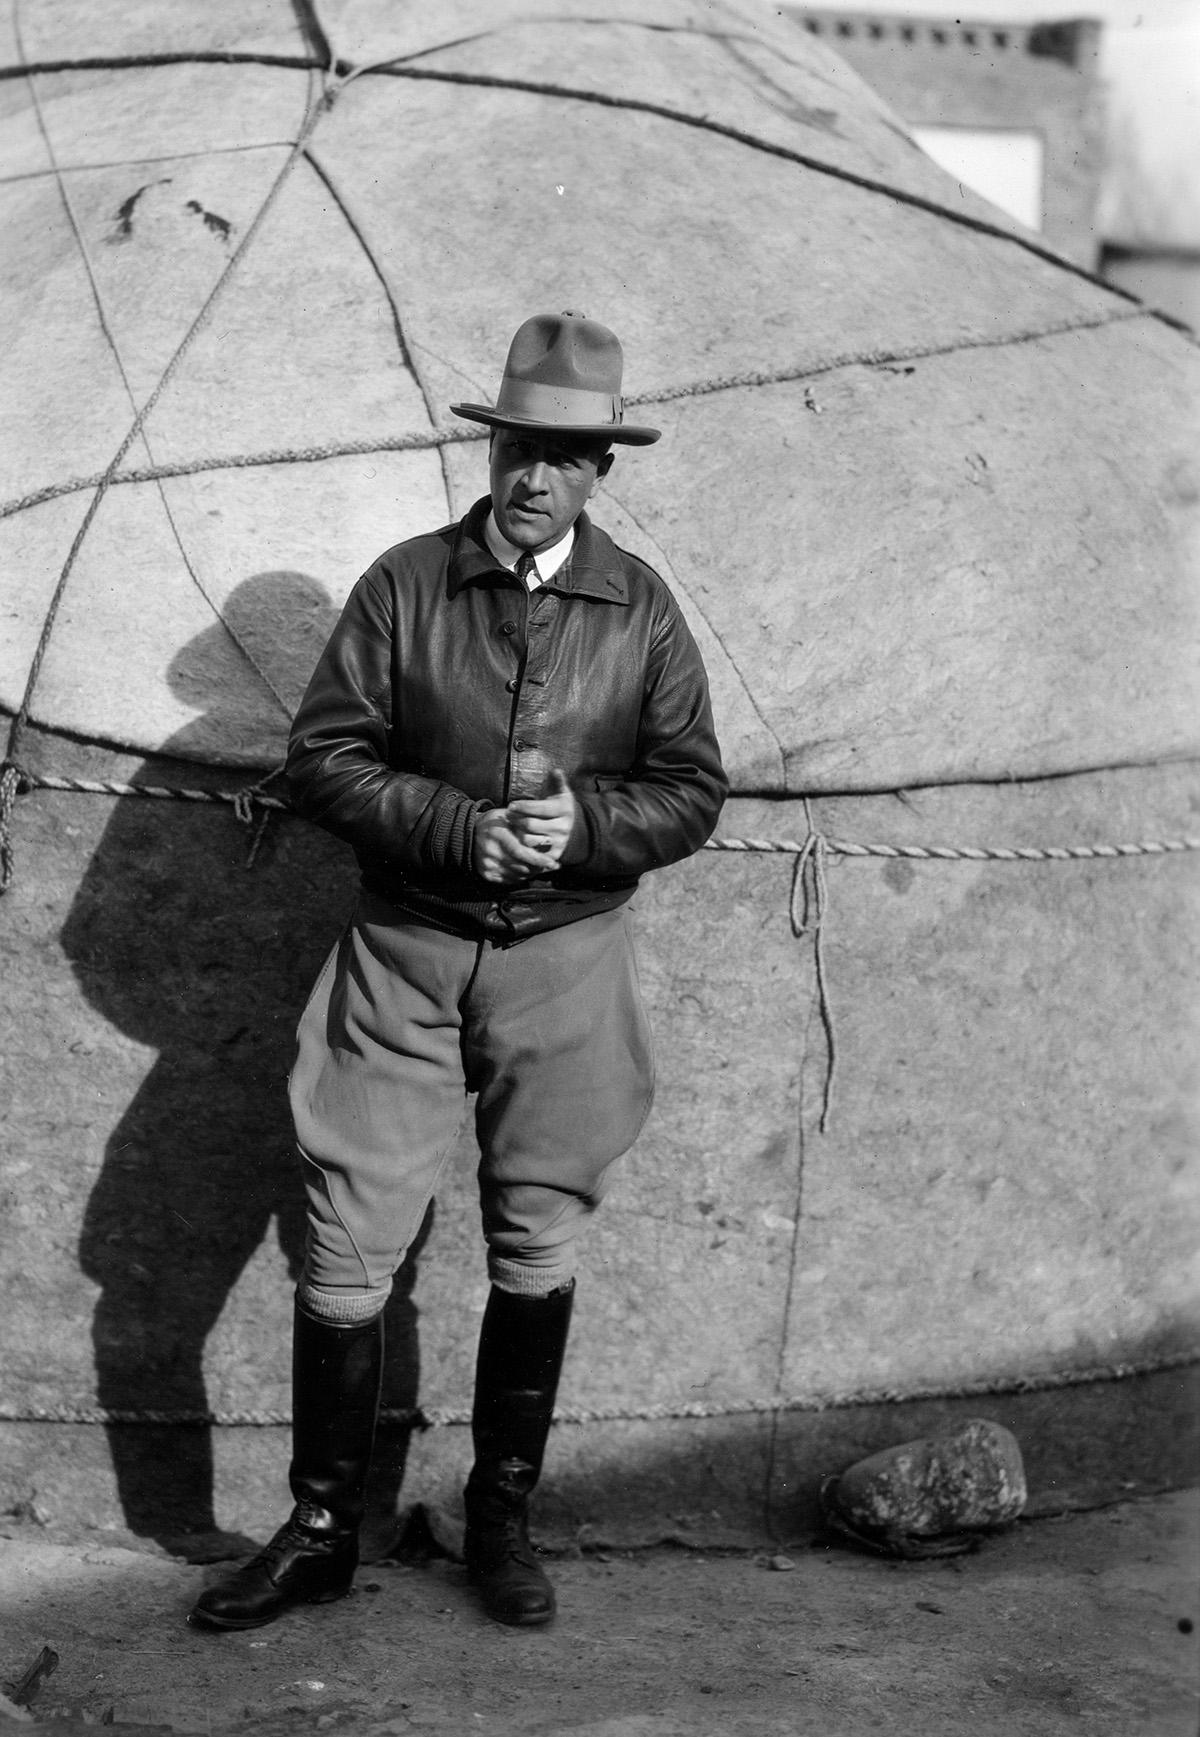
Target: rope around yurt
(247, 798)
(896, 358)
(807, 907)
(440, 1417)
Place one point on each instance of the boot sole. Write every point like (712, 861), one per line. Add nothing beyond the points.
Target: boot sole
(524, 1619)
(204, 1618)
(517, 1618)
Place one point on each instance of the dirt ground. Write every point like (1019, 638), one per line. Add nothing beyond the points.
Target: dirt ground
(1080, 1624)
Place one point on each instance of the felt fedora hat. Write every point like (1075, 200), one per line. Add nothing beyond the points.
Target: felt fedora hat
(562, 376)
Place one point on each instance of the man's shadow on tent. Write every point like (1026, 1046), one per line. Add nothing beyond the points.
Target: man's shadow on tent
(190, 952)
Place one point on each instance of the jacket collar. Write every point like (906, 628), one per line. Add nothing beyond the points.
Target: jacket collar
(593, 568)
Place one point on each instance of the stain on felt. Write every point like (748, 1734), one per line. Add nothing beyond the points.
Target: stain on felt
(219, 226)
(127, 207)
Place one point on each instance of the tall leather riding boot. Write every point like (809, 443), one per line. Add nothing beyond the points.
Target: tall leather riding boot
(336, 1375)
(521, 1346)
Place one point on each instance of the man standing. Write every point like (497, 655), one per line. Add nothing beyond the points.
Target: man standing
(510, 725)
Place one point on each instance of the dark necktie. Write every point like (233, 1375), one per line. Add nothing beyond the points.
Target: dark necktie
(525, 566)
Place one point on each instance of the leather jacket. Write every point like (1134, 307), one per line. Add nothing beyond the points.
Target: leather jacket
(447, 688)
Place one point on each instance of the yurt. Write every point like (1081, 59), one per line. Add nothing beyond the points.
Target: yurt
(924, 1145)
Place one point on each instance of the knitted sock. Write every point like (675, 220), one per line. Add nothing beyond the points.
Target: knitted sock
(341, 1308)
(522, 1280)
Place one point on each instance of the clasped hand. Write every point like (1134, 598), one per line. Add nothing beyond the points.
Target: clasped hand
(526, 838)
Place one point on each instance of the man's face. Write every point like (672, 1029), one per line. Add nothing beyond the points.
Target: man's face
(541, 483)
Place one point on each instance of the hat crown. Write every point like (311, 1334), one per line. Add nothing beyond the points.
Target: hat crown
(562, 376)
(566, 351)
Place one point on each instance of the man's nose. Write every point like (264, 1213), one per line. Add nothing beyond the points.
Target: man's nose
(534, 478)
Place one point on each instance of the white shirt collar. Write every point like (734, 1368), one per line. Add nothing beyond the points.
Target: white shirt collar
(546, 562)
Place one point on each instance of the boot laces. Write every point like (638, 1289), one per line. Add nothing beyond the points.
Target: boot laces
(501, 1539)
(513, 1541)
(296, 1534)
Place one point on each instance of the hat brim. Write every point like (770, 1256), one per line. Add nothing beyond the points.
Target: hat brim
(620, 433)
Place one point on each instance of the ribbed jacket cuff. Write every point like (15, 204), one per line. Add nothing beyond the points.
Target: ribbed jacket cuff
(451, 841)
(579, 845)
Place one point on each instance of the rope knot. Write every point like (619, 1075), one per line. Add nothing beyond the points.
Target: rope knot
(810, 889)
(245, 802)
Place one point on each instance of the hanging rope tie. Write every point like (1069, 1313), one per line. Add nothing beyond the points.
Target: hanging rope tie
(808, 907)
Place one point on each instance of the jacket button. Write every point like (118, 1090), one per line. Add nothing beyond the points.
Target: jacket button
(511, 685)
(508, 627)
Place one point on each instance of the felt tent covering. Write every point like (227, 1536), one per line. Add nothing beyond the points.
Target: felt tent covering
(897, 534)
(927, 495)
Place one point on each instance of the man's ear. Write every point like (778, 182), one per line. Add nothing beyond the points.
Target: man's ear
(602, 470)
